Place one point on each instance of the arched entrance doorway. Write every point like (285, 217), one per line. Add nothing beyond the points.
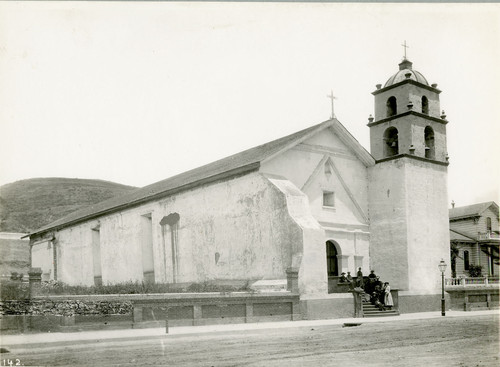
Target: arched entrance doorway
(332, 264)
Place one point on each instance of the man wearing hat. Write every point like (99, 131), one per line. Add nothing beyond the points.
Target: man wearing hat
(343, 278)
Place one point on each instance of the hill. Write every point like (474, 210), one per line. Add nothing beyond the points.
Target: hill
(29, 204)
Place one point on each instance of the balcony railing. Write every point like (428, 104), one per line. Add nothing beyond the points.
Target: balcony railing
(464, 282)
(488, 236)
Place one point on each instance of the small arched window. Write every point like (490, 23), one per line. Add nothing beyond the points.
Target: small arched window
(488, 224)
(391, 146)
(466, 260)
(429, 142)
(425, 105)
(392, 108)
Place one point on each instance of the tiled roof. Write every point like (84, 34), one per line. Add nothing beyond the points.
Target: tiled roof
(246, 161)
(468, 211)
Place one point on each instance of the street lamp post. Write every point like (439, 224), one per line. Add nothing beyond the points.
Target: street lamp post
(442, 269)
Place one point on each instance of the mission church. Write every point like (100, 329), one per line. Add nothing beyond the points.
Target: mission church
(315, 203)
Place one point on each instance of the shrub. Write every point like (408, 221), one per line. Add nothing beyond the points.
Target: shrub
(58, 288)
(13, 290)
(475, 271)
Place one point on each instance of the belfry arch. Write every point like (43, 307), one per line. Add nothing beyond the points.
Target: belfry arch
(391, 146)
(425, 105)
(392, 106)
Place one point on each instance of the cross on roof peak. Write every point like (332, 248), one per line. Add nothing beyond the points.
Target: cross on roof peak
(332, 97)
(404, 48)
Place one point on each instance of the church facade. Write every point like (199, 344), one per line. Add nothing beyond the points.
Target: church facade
(315, 202)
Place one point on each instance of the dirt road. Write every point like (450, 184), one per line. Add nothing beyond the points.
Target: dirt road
(461, 341)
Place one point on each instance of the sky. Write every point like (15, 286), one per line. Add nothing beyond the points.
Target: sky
(137, 92)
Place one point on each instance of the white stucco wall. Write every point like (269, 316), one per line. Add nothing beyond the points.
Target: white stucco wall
(245, 220)
(42, 256)
(346, 223)
(74, 254)
(248, 227)
(428, 225)
(309, 254)
(409, 223)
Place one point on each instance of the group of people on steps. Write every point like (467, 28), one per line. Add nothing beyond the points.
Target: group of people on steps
(380, 293)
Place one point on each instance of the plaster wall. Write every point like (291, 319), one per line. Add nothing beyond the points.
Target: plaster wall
(388, 223)
(74, 254)
(233, 229)
(409, 223)
(324, 163)
(287, 165)
(42, 257)
(428, 224)
(309, 259)
(305, 165)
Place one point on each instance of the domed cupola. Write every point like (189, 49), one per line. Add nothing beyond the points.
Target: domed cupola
(406, 72)
(408, 120)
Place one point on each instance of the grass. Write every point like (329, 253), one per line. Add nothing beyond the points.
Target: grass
(11, 290)
(30, 204)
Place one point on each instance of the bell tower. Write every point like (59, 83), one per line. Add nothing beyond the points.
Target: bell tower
(408, 203)
(407, 118)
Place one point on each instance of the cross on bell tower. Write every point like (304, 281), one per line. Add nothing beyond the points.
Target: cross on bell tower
(404, 48)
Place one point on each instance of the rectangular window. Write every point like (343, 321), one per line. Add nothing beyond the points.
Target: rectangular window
(466, 260)
(328, 199)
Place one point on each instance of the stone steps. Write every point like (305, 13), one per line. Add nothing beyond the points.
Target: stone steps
(370, 310)
(378, 313)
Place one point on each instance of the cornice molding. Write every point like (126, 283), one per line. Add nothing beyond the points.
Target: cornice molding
(398, 156)
(407, 113)
(406, 81)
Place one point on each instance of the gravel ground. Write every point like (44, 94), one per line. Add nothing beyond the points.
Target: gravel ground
(462, 341)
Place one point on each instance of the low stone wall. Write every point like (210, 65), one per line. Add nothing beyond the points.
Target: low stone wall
(73, 313)
(209, 309)
(56, 314)
(65, 307)
(473, 297)
(412, 302)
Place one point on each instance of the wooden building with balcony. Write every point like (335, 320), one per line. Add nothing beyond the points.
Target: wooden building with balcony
(474, 239)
